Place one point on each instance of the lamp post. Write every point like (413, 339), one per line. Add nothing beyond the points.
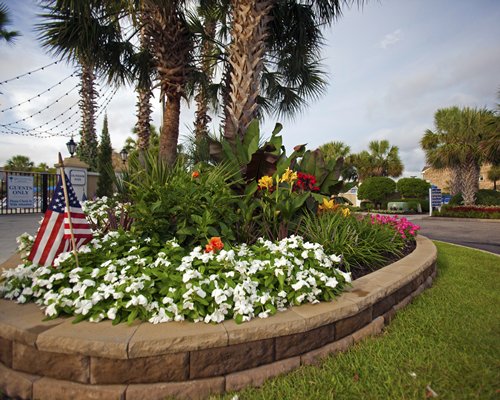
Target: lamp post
(71, 145)
(124, 155)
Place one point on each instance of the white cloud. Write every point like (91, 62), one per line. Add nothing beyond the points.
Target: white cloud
(390, 39)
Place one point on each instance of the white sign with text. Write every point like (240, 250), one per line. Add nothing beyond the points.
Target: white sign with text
(20, 191)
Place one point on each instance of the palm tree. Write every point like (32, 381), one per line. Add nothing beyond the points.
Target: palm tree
(85, 33)
(254, 22)
(382, 159)
(334, 150)
(19, 163)
(172, 49)
(8, 36)
(458, 143)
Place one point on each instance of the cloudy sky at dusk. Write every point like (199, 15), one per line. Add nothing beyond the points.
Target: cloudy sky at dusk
(391, 65)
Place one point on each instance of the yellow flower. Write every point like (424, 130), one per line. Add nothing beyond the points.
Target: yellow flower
(346, 212)
(328, 205)
(289, 176)
(266, 182)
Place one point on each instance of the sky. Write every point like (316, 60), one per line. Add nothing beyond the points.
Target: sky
(391, 65)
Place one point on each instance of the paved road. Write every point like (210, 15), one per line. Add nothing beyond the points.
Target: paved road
(12, 226)
(484, 235)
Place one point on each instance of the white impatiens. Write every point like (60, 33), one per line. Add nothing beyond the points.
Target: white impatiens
(122, 277)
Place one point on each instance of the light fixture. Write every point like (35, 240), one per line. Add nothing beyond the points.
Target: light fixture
(124, 155)
(71, 145)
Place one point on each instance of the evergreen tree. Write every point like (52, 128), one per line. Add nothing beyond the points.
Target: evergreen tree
(105, 164)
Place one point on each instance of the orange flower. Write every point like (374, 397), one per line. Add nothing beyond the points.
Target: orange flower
(195, 174)
(214, 244)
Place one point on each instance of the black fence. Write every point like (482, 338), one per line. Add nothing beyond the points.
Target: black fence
(44, 184)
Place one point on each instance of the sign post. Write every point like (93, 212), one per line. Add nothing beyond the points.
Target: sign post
(435, 199)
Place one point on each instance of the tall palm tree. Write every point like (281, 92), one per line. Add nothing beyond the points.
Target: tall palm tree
(457, 143)
(7, 35)
(172, 49)
(253, 24)
(334, 150)
(88, 34)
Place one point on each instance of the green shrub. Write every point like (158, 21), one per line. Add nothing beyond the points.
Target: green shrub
(413, 187)
(377, 189)
(484, 197)
(424, 203)
(359, 241)
(169, 202)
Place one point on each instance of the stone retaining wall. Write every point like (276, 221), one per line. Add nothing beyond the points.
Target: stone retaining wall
(60, 360)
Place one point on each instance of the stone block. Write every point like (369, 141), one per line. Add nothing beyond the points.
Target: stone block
(315, 356)
(6, 352)
(365, 292)
(280, 324)
(349, 325)
(223, 360)
(384, 305)
(88, 338)
(389, 316)
(257, 376)
(71, 367)
(16, 384)
(173, 337)
(193, 390)
(300, 343)
(373, 328)
(23, 322)
(404, 292)
(316, 315)
(164, 368)
(403, 303)
(54, 389)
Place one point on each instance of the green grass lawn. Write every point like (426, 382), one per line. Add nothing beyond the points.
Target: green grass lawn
(448, 338)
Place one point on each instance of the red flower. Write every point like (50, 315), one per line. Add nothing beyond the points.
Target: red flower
(214, 244)
(305, 182)
(195, 174)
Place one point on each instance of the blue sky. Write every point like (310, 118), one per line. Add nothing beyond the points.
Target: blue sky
(391, 65)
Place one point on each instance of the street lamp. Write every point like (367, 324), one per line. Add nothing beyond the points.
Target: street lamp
(124, 155)
(71, 145)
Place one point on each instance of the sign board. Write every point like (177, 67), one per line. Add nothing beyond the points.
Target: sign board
(435, 198)
(20, 192)
(78, 177)
(446, 198)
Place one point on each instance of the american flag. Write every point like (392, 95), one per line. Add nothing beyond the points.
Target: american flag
(54, 235)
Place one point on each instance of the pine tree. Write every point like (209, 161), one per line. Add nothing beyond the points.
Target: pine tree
(105, 165)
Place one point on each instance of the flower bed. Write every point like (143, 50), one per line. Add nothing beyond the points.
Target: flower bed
(123, 278)
(483, 212)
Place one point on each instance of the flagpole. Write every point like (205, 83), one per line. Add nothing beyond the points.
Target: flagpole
(66, 199)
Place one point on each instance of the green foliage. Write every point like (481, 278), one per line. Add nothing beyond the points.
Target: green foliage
(327, 173)
(485, 197)
(413, 187)
(87, 151)
(19, 163)
(382, 159)
(361, 243)
(104, 163)
(377, 189)
(168, 202)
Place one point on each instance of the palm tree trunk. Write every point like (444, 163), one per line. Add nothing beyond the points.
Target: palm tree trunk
(470, 181)
(144, 111)
(170, 129)
(456, 183)
(202, 118)
(87, 150)
(249, 31)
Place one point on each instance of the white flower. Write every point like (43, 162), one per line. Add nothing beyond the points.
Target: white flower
(51, 310)
(83, 306)
(189, 275)
(331, 282)
(304, 254)
(111, 314)
(219, 296)
(298, 285)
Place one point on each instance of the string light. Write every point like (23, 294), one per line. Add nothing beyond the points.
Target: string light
(39, 94)
(29, 73)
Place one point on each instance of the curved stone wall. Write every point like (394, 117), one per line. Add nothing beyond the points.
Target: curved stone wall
(60, 360)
